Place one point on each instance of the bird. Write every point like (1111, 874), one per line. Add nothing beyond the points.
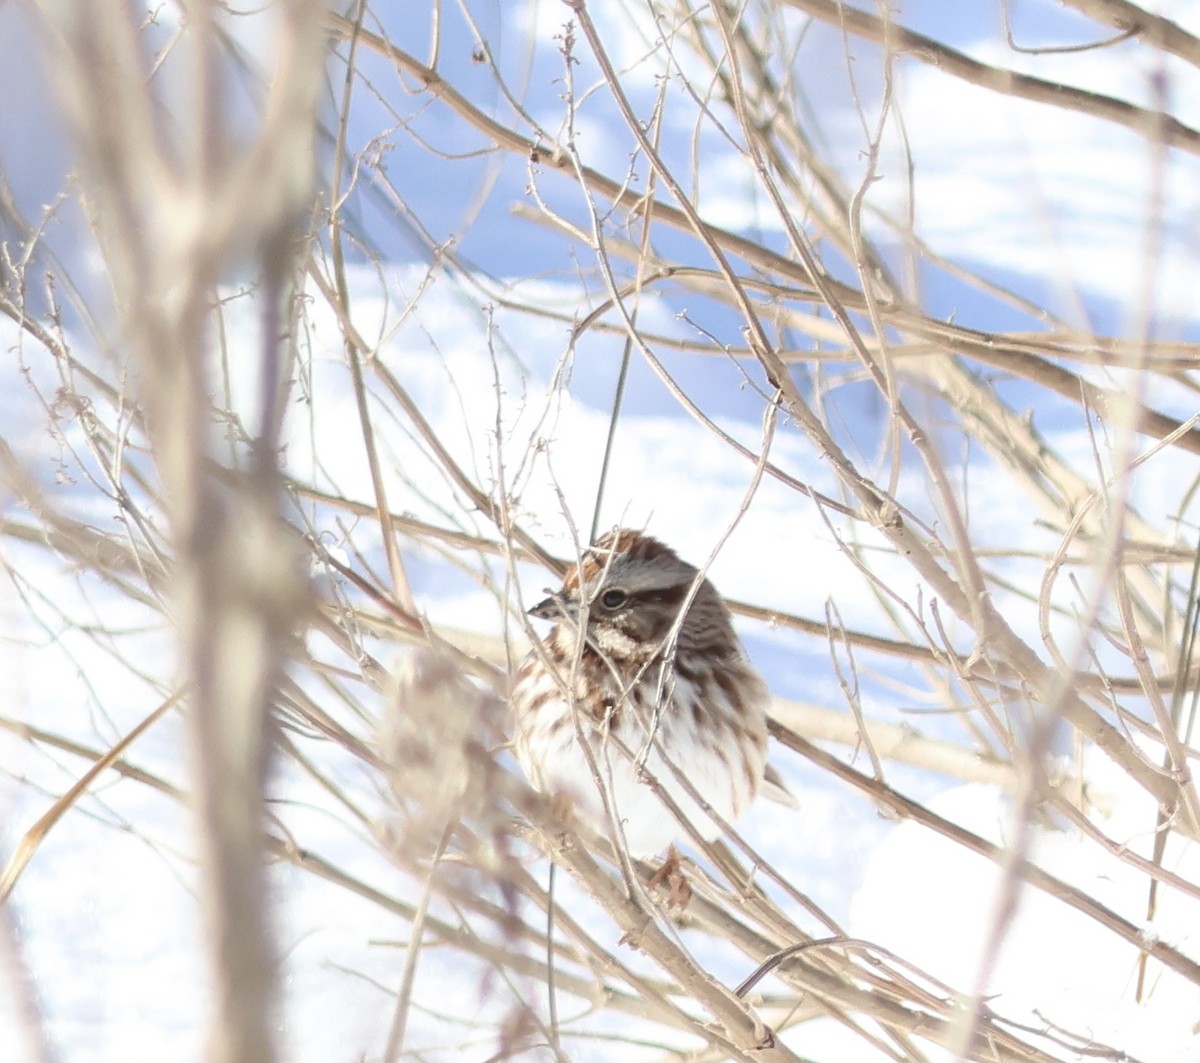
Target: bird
(643, 669)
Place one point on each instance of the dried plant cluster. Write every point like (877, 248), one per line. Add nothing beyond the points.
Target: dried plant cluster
(158, 494)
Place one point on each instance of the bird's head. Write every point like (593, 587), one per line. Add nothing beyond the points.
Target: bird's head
(631, 588)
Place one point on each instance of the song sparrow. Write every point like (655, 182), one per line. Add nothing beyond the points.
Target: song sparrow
(647, 691)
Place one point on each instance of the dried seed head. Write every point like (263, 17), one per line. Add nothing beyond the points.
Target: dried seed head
(436, 736)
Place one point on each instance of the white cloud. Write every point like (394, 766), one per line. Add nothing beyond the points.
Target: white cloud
(933, 902)
(1046, 191)
(1000, 182)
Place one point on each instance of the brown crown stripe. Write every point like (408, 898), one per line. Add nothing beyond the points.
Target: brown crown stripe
(622, 542)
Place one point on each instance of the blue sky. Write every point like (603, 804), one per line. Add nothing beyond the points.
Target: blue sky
(1051, 205)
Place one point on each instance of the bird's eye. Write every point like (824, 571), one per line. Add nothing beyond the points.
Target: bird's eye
(614, 598)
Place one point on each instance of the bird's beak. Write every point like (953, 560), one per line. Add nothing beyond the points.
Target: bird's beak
(549, 609)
